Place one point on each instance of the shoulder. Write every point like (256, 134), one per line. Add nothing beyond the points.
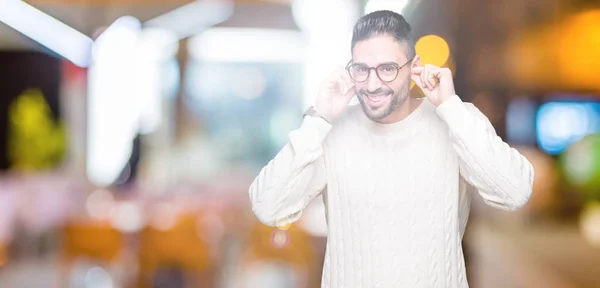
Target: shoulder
(467, 111)
(457, 103)
(456, 107)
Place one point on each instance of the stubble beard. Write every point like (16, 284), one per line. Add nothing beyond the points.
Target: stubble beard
(377, 114)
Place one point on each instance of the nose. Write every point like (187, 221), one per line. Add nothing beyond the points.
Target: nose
(373, 82)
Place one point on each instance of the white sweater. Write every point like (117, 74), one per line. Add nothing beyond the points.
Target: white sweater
(397, 196)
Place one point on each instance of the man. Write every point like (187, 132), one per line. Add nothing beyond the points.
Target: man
(396, 172)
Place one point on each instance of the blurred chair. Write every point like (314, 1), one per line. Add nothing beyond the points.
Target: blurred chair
(178, 248)
(99, 241)
(94, 241)
(281, 256)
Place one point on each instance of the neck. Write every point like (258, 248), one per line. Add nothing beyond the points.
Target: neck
(403, 111)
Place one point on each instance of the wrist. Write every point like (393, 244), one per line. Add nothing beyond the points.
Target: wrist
(315, 112)
(446, 107)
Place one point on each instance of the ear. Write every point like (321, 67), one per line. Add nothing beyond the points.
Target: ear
(416, 61)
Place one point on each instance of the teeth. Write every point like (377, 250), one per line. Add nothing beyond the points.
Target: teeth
(377, 97)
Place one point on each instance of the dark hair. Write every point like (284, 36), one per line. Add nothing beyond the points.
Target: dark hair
(381, 23)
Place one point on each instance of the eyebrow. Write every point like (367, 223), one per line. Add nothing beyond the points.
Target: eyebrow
(384, 63)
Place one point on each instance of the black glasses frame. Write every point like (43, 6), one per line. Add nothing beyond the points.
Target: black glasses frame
(398, 68)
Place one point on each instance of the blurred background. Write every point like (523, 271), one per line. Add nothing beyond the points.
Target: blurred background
(131, 130)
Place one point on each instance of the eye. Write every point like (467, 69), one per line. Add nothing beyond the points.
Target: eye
(388, 68)
(360, 69)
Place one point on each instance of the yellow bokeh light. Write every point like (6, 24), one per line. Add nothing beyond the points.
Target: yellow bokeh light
(589, 223)
(433, 50)
(577, 46)
(560, 55)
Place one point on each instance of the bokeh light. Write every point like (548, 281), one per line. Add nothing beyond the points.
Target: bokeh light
(433, 50)
(128, 217)
(280, 238)
(97, 277)
(165, 216)
(581, 163)
(571, 62)
(100, 204)
(187, 119)
(577, 50)
(559, 124)
(589, 223)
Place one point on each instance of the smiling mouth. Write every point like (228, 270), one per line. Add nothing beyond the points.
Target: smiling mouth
(377, 98)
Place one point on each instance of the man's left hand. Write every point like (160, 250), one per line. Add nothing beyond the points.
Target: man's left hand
(436, 82)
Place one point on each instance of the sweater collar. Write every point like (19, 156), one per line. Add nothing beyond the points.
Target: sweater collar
(396, 127)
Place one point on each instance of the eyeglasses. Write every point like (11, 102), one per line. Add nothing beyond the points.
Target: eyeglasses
(386, 72)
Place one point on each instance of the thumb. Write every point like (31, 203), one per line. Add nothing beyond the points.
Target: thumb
(416, 75)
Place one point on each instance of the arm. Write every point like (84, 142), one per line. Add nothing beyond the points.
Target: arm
(502, 176)
(289, 182)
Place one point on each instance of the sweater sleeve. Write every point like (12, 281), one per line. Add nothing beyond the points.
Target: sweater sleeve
(501, 175)
(291, 180)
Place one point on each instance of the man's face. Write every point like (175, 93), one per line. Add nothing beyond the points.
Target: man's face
(377, 97)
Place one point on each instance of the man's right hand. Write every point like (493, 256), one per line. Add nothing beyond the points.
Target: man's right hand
(334, 95)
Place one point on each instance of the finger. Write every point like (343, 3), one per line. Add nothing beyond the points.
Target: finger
(336, 73)
(424, 78)
(431, 79)
(417, 70)
(417, 79)
(347, 79)
(440, 73)
(349, 94)
(335, 77)
(332, 79)
(341, 83)
(444, 72)
(346, 82)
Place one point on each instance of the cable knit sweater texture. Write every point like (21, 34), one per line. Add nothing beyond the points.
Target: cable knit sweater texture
(397, 196)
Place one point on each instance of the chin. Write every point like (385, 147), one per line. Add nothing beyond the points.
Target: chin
(377, 114)
(380, 113)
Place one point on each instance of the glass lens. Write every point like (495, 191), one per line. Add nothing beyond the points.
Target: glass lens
(359, 73)
(387, 72)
